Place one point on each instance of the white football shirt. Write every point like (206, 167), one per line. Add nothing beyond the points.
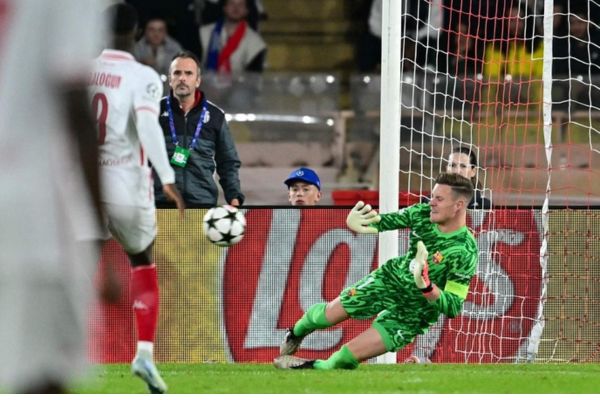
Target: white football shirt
(123, 92)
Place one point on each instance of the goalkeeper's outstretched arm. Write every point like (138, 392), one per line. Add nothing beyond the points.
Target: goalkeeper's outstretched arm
(364, 219)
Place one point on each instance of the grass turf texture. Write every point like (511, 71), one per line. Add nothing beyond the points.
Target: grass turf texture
(400, 378)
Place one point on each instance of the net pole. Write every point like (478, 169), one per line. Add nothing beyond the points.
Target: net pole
(389, 140)
(538, 328)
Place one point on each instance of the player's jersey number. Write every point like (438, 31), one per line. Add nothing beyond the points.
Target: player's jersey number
(100, 110)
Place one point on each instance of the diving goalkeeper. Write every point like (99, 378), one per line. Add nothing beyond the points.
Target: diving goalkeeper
(407, 294)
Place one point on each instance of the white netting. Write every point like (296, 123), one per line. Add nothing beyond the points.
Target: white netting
(517, 84)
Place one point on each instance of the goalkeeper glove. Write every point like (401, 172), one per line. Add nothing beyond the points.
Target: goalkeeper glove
(420, 270)
(361, 216)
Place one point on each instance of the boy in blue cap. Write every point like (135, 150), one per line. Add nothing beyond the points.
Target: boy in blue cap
(304, 187)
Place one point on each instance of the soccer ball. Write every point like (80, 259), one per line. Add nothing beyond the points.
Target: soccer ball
(224, 225)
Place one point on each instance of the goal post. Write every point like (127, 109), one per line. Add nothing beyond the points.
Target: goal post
(517, 83)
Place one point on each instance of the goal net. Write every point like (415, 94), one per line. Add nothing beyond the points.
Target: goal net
(515, 83)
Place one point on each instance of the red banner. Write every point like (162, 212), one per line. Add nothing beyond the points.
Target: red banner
(291, 259)
(235, 304)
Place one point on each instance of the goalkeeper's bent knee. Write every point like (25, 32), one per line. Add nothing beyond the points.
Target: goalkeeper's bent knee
(314, 318)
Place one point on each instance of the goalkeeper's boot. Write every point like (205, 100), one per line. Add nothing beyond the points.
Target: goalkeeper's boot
(290, 344)
(143, 367)
(292, 362)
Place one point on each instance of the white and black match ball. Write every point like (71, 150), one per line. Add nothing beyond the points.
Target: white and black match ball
(224, 225)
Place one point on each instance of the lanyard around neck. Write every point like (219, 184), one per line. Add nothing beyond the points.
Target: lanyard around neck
(198, 126)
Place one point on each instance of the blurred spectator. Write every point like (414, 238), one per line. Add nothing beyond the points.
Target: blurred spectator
(180, 17)
(368, 50)
(209, 11)
(230, 45)
(422, 19)
(465, 51)
(304, 187)
(156, 48)
(577, 54)
(559, 20)
(518, 50)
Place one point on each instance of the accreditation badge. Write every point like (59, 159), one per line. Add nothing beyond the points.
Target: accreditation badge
(180, 157)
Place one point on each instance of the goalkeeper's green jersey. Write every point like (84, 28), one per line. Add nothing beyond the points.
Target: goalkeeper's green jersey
(452, 257)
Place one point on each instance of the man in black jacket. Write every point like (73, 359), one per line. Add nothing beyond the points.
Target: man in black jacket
(198, 140)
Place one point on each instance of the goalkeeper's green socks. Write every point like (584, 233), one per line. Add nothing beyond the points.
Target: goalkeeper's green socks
(341, 359)
(314, 318)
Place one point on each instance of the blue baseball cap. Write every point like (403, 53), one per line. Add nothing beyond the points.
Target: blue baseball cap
(304, 175)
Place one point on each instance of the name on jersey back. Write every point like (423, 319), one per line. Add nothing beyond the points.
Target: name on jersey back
(107, 80)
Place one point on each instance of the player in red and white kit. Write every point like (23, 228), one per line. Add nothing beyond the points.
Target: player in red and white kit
(47, 139)
(125, 98)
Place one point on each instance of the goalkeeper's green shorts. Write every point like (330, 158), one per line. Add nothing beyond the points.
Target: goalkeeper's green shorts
(402, 313)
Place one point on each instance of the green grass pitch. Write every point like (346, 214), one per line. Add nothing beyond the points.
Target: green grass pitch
(399, 378)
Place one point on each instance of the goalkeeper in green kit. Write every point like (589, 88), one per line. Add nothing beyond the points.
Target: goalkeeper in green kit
(406, 294)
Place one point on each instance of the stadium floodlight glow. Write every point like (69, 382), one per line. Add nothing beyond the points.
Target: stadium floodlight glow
(253, 117)
(308, 120)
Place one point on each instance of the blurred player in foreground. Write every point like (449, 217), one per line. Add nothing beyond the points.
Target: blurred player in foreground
(406, 294)
(125, 98)
(304, 187)
(49, 181)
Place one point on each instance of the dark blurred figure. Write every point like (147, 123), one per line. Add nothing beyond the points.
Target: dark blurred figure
(368, 49)
(180, 17)
(422, 21)
(210, 11)
(156, 48)
(464, 46)
(516, 48)
(577, 53)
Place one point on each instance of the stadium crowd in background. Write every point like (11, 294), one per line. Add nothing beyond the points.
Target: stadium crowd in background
(125, 98)
(156, 48)
(571, 45)
(210, 11)
(198, 139)
(180, 18)
(230, 45)
(189, 21)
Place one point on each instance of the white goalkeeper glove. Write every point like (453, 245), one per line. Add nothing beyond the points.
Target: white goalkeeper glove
(419, 268)
(361, 216)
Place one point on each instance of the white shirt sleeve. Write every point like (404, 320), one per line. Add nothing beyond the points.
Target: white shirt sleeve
(146, 109)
